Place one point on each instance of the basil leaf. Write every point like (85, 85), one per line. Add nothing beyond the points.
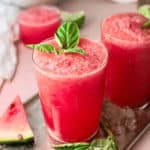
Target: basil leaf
(108, 143)
(43, 48)
(77, 17)
(145, 10)
(100, 144)
(146, 25)
(73, 146)
(104, 144)
(68, 35)
(75, 50)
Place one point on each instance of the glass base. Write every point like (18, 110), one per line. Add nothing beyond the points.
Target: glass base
(56, 140)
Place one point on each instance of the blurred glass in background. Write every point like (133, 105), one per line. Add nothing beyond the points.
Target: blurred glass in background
(124, 1)
(141, 2)
(27, 3)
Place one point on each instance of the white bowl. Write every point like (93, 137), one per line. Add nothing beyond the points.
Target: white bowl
(125, 1)
(28, 3)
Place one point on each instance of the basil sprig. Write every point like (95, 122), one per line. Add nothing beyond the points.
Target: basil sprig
(99, 144)
(74, 146)
(43, 48)
(67, 37)
(108, 143)
(103, 144)
(145, 11)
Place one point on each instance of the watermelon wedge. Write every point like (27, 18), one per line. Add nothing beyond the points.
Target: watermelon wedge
(14, 126)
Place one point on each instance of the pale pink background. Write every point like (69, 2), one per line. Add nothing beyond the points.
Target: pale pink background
(23, 83)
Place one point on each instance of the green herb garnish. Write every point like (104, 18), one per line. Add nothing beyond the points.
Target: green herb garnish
(103, 144)
(74, 146)
(77, 17)
(145, 11)
(67, 37)
(108, 143)
(146, 25)
(75, 50)
(43, 48)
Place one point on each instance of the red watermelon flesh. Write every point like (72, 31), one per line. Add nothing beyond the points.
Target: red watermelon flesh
(14, 126)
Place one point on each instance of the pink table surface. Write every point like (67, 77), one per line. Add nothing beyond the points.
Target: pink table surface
(23, 83)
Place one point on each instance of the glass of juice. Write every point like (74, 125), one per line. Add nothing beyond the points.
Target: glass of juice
(71, 89)
(128, 72)
(38, 23)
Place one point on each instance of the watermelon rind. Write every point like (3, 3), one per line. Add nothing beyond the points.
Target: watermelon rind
(16, 141)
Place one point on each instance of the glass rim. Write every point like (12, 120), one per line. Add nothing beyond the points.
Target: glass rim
(43, 24)
(123, 42)
(83, 75)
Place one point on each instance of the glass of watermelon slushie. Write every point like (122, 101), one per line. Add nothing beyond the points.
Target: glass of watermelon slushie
(71, 89)
(38, 23)
(128, 72)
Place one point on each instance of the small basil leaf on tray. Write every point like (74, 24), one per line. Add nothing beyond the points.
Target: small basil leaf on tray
(145, 11)
(75, 50)
(67, 35)
(108, 143)
(77, 17)
(103, 144)
(43, 48)
(73, 146)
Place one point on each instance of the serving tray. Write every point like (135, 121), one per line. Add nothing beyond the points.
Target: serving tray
(125, 124)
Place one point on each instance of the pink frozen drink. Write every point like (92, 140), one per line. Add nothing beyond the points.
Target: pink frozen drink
(128, 74)
(71, 88)
(38, 23)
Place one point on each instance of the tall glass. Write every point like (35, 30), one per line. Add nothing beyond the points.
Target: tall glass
(128, 73)
(71, 89)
